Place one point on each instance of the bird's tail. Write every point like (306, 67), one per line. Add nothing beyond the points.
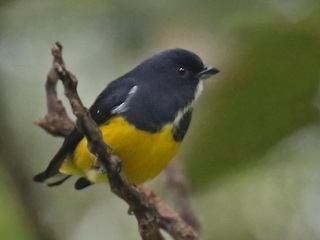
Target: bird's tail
(57, 180)
(51, 175)
(51, 179)
(52, 170)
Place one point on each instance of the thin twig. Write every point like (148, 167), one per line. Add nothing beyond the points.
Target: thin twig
(56, 122)
(178, 186)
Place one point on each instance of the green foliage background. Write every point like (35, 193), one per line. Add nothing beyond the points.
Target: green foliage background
(252, 153)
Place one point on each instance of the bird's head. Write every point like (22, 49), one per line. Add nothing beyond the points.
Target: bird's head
(177, 65)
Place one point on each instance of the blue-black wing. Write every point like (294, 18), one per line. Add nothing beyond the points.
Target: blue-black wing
(101, 110)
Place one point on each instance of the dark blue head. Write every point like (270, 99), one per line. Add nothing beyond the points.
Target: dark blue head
(177, 65)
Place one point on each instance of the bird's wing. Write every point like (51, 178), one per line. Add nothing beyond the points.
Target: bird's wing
(112, 100)
(102, 109)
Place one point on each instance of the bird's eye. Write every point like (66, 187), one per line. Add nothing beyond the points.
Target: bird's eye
(182, 71)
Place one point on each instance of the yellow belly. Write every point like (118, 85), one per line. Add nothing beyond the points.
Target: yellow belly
(144, 154)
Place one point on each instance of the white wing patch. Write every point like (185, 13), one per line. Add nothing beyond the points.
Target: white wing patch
(181, 113)
(124, 106)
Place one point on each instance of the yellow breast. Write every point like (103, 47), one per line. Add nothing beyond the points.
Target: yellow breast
(143, 154)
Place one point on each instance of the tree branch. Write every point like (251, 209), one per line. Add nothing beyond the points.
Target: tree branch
(169, 220)
(150, 212)
(56, 122)
(178, 186)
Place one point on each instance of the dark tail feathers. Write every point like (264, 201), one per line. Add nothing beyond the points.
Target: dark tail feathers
(41, 177)
(51, 181)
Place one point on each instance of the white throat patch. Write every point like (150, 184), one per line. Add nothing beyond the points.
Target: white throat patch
(181, 113)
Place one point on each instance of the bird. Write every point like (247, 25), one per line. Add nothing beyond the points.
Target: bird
(143, 115)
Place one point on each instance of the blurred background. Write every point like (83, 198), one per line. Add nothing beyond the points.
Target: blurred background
(252, 152)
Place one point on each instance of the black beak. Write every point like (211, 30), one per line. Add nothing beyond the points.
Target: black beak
(207, 72)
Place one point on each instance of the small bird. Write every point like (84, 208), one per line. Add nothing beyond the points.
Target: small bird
(143, 116)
